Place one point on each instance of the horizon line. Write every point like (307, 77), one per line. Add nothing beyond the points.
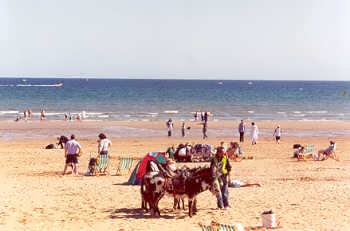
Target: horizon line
(159, 78)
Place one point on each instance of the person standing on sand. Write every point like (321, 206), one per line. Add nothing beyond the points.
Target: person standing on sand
(29, 111)
(42, 114)
(72, 150)
(170, 127)
(103, 145)
(206, 115)
(241, 130)
(255, 133)
(204, 130)
(183, 129)
(221, 169)
(277, 134)
(25, 115)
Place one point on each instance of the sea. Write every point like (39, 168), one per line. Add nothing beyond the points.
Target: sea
(141, 99)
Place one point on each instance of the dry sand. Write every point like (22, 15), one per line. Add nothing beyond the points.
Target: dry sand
(305, 195)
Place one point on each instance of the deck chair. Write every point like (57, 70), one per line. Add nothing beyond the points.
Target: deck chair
(102, 164)
(125, 163)
(309, 149)
(222, 227)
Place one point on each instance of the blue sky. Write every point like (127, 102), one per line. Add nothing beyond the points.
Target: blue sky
(247, 39)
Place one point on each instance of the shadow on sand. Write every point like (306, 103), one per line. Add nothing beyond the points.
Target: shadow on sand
(137, 213)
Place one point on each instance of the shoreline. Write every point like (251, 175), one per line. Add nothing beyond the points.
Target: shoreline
(133, 129)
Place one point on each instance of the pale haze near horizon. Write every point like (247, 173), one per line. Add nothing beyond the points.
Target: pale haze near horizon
(199, 39)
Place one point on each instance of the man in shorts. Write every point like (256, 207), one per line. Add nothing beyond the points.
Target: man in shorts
(72, 150)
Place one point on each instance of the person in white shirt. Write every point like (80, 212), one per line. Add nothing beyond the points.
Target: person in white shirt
(277, 134)
(255, 133)
(72, 150)
(103, 144)
(102, 149)
(170, 127)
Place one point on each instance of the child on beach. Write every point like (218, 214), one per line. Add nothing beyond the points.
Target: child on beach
(277, 134)
(183, 129)
(170, 127)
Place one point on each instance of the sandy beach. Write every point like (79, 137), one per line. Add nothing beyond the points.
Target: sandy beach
(305, 195)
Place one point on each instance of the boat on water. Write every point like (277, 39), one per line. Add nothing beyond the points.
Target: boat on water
(220, 83)
(40, 85)
(250, 83)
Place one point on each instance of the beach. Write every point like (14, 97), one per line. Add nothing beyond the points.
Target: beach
(305, 195)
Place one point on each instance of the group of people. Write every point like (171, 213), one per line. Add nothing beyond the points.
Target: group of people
(73, 150)
(323, 154)
(255, 132)
(28, 114)
(184, 130)
(204, 116)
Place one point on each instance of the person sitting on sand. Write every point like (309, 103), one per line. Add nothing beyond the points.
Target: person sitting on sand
(324, 154)
(102, 149)
(171, 152)
(62, 140)
(234, 152)
(239, 184)
(71, 152)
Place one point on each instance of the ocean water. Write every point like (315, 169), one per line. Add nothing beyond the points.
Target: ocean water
(121, 99)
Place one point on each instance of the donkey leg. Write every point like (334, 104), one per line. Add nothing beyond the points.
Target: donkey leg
(183, 203)
(195, 205)
(190, 207)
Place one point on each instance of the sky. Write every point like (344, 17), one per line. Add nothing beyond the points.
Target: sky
(181, 39)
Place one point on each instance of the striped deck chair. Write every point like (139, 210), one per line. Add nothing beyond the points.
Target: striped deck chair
(125, 163)
(102, 165)
(222, 227)
(309, 149)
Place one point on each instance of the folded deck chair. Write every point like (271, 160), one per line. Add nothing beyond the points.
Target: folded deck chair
(125, 163)
(102, 164)
(222, 227)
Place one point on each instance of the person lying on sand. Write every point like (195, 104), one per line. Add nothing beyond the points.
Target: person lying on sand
(239, 184)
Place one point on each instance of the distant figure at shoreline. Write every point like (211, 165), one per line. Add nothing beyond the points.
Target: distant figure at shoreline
(42, 114)
(255, 133)
(241, 130)
(183, 129)
(65, 116)
(170, 127)
(204, 130)
(196, 116)
(30, 113)
(25, 116)
(277, 134)
(72, 150)
(206, 115)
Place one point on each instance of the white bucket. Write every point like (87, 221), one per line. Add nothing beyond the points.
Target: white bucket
(269, 220)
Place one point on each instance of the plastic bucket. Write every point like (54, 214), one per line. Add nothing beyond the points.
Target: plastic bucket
(269, 220)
